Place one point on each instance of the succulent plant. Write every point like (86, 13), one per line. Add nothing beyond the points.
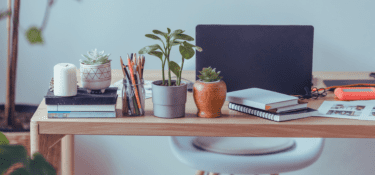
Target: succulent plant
(209, 75)
(95, 58)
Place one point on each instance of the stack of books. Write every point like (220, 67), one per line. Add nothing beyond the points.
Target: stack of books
(83, 105)
(268, 104)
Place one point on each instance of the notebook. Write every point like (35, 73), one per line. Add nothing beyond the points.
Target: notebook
(261, 98)
(271, 116)
(272, 57)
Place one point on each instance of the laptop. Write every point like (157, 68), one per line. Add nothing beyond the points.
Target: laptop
(273, 57)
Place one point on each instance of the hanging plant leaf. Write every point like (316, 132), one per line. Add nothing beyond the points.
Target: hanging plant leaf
(157, 54)
(184, 37)
(34, 35)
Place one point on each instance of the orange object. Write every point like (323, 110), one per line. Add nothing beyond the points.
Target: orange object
(135, 86)
(209, 98)
(355, 93)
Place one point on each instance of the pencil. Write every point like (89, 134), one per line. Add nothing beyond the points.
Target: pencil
(125, 109)
(124, 69)
(135, 86)
(143, 64)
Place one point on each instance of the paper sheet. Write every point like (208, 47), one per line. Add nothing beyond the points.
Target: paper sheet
(360, 110)
(147, 86)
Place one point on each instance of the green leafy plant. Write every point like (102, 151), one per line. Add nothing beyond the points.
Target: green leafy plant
(163, 52)
(15, 156)
(209, 75)
(95, 58)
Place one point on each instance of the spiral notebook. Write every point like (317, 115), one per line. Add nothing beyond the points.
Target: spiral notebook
(272, 116)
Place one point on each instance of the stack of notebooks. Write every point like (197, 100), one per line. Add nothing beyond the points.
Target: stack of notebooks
(83, 105)
(268, 104)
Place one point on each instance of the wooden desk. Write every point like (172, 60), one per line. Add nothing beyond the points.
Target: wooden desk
(45, 133)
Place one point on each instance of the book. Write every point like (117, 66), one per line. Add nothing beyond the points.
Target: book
(299, 106)
(81, 107)
(273, 116)
(80, 114)
(83, 98)
(261, 98)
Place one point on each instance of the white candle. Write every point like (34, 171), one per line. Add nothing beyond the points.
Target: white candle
(65, 80)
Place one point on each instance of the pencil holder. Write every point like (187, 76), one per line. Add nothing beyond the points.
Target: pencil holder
(133, 98)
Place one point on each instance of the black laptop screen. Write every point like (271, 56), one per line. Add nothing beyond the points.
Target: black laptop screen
(277, 58)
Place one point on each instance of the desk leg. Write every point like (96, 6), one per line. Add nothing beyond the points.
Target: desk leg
(46, 144)
(67, 155)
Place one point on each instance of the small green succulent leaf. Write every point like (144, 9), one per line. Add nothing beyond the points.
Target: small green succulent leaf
(169, 30)
(186, 52)
(175, 68)
(152, 36)
(209, 75)
(184, 37)
(3, 139)
(157, 54)
(39, 165)
(34, 35)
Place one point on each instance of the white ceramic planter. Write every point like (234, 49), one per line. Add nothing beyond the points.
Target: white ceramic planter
(95, 77)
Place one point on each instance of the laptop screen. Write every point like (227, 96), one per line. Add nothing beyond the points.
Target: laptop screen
(272, 57)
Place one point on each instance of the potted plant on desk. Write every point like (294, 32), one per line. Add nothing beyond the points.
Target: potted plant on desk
(169, 97)
(95, 71)
(209, 93)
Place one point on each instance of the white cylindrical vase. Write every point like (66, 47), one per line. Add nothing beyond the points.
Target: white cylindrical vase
(65, 80)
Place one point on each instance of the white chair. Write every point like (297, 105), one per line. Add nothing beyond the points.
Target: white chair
(304, 152)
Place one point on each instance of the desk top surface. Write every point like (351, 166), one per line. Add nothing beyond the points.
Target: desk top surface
(231, 123)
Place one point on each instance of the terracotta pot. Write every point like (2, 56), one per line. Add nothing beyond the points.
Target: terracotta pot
(209, 98)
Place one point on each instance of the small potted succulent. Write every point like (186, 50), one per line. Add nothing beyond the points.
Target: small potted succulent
(95, 71)
(169, 97)
(209, 93)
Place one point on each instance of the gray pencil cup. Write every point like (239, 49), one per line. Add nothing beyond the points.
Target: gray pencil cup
(133, 98)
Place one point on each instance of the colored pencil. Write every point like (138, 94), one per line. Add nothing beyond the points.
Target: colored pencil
(135, 86)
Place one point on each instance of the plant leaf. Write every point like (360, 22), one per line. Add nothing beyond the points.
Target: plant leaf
(11, 154)
(149, 49)
(174, 43)
(34, 35)
(5, 14)
(186, 52)
(152, 36)
(160, 33)
(191, 45)
(175, 68)
(184, 37)
(20, 171)
(176, 32)
(39, 165)
(3, 139)
(157, 54)
(169, 30)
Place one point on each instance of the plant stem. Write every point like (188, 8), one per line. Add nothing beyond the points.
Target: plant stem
(169, 67)
(182, 66)
(162, 70)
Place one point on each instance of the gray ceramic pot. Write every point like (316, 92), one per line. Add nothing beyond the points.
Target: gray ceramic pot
(169, 101)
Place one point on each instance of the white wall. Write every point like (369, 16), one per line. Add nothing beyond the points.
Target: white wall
(343, 42)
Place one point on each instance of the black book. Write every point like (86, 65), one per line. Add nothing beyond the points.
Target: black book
(84, 98)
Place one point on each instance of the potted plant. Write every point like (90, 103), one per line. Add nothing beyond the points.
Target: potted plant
(95, 71)
(209, 93)
(169, 97)
(14, 160)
